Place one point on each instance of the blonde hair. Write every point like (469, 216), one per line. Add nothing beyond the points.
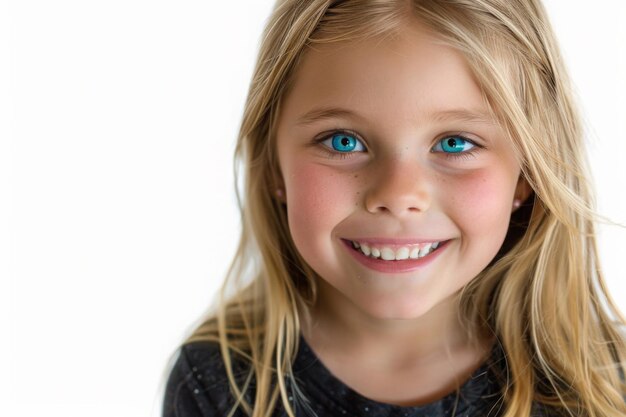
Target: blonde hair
(543, 297)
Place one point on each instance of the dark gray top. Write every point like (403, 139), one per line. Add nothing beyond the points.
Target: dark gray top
(198, 386)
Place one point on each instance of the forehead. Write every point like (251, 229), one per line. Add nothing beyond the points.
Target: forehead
(410, 76)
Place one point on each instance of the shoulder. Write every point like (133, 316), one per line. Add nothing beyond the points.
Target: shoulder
(198, 383)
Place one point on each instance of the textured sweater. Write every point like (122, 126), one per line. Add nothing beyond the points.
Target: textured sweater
(198, 386)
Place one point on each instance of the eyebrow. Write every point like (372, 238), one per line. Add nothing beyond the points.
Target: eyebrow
(464, 115)
(461, 114)
(324, 113)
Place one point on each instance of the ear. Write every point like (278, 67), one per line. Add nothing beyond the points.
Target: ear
(279, 188)
(523, 190)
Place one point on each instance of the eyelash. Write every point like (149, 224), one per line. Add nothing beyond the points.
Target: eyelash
(334, 154)
(345, 155)
(460, 155)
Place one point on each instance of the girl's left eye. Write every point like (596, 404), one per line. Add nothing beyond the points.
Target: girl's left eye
(453, 144)
(343, 142)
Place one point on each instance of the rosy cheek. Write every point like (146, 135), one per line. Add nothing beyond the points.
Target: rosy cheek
(316, 196)
(481, 200)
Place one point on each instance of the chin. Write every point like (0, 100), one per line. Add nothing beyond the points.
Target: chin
(398, 311)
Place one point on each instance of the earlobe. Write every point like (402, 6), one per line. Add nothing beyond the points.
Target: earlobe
(279, 189)
(280, 194)
(522, 192)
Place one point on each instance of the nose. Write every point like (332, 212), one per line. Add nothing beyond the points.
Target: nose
(399, 187)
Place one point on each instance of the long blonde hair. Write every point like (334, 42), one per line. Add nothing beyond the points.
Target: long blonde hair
(543, 297)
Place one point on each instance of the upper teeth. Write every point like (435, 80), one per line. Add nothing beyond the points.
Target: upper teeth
(399, 253)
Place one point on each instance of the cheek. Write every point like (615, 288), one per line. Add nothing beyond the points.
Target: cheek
(317, 199)
(481, 203)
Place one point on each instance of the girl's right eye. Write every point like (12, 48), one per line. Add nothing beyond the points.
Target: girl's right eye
(343, 142)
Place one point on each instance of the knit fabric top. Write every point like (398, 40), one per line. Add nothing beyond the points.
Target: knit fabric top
(198, 386)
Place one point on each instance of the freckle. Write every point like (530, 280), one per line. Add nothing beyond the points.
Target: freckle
(356, 175)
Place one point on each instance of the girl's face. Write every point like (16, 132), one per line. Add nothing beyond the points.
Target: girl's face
(389, 145)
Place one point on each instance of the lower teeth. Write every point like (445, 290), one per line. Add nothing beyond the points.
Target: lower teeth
(390, 260)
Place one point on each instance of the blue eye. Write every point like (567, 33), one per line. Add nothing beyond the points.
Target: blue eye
(453, 144)
(344, 142)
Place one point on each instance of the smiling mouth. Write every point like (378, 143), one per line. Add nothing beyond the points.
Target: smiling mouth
(396, 252)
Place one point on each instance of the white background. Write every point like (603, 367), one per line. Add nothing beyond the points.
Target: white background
(118, 120)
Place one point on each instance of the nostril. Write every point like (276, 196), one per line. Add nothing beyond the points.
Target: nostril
(399, 206)
(398, 193)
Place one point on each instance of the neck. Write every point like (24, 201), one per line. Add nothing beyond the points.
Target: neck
(339, 326)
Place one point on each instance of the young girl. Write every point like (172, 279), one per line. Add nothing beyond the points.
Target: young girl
(418, 230)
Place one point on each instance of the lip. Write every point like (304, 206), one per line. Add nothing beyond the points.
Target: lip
(394, 267)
